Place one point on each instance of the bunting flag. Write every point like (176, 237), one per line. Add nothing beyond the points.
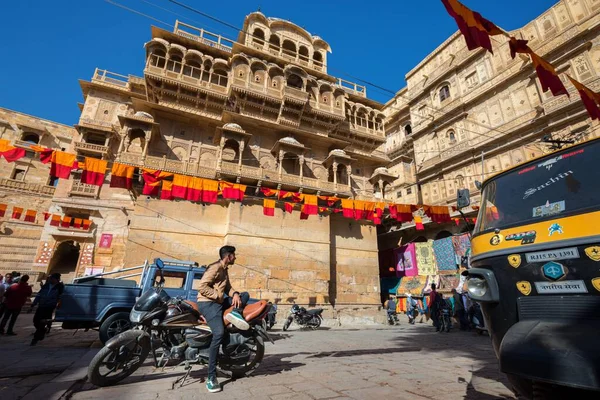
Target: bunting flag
(55, 221)
(121, 176)
(269, 207)
(152, 179)
(348, 208)
(194, 190)
(404, 213)
(232, 191)
(303, 215)
(331, 200)
(518, 46)
(310, 206)
(547, 75)
(30, 215)
(210, 191)
(379, 207)
(457, 221)
(369, 208)
(268, 192)
(62, 164)
(46, 216)
(167, 190)
(475, 29)
(419, 223)
(77, 222)
(9, 152)
(180, 185)
(2, 210)
(359, 209)
(289, 207)
(439, 214)
(45, 153)
(66, 222)
(93, 171)
(17, 212)
(294, 196)
(590, 99)
(86, 224)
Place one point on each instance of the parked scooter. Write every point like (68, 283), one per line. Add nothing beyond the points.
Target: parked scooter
(303, 317)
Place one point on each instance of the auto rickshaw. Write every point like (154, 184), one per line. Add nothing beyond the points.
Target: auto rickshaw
(535, 270)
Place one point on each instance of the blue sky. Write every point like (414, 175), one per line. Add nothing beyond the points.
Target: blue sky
(48, 46)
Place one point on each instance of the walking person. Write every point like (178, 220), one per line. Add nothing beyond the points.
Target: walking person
(15, 297)
(390, 307)
(411, 309)
(4, 285)
(214, 298)
(48, 299)
(460, 312)
(434, 306)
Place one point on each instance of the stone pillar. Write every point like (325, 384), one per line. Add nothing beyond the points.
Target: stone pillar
(334, 167)
(146, 143)
(301, 160)
(280, 159)
(380, 182)
(349, 174)
(241, 145)
(220, 153)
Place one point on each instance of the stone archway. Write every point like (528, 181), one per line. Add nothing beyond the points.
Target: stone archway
(65, 260)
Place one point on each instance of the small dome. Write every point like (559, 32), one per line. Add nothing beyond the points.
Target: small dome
(337, 152)
(381, 170)
(232, 125)
(290, 140)
(143, 114)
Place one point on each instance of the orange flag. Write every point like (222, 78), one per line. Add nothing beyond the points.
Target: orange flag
(268, 192)
(86, 224)
(210, 191)
(55, 221)
(547, 75)
(419, 223)
(518, 46)
(269, 207)
(589, 98)
(66, 222)
(122, 176)
(62, 164)
(17, 212)
(152, 179)
(232, 191)
(195, 187)
(2, 210)
(30, 215)
(9, 152)
(167, 190)
(310, 205)
(93, 171)
(289, 207)
(475, 29)
(77, 223)
(180, 186)
(359, 209)
(348, 208)
(369, 210)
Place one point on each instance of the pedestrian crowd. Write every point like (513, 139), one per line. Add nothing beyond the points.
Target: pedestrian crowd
(15, 290)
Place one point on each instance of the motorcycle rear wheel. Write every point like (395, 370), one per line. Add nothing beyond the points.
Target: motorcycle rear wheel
(249, 368)
(316, 322)
(122, 360)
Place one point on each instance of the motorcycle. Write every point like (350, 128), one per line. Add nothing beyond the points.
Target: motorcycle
(271, 316)
(174, 329)
(304, 317)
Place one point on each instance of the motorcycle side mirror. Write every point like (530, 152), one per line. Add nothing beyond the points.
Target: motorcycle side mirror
(160, 265)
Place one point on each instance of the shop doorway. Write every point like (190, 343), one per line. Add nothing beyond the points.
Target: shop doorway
(65, 260)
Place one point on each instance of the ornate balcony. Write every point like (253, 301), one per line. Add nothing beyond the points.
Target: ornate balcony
(351, 87)
(96, 125)
(19, 186)
(82, 189)
(23, 144)
(202, 36)
(91, 148)
(296, 95)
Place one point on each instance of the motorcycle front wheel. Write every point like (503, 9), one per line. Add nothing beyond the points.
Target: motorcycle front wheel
(256, 347)
(287, 324)
(112, 365)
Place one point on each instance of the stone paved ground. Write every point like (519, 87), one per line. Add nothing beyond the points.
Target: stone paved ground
(404, 362)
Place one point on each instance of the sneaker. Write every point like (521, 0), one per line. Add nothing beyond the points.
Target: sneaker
(237, 320)
(212, 385)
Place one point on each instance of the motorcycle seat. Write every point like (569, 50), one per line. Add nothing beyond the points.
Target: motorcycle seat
(315, 311)
(195, 311)
(250, 312)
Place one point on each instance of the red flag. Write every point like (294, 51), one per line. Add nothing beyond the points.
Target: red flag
(403, 213)
(457, 221)
(66, 222)
(210, 191)
(166, 192)
(93, 171)
(359, 209)
(233, 191)
(86, 224)
(518, 46)
(180, 185)
(30, 215)
(17, 211)
(348, 208)
(195, 187)
(269, 207)
(268, 192)
(55, 221)
(475, 29)
(303, 215)
(9, 152)
(152, 179)
(2, 210)
(62, 164)
(77, 223)
(419, 223)
(121, 176)
(310, 205)
(46, 216)
(547, 75)
(369, 210)
(289, 207)
(589, 98)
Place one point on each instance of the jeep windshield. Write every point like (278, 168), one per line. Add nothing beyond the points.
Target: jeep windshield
(560, 184)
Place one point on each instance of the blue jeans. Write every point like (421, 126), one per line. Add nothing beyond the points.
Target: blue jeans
(213, 313)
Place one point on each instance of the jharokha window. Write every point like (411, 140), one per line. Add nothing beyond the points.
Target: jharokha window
(444, 93)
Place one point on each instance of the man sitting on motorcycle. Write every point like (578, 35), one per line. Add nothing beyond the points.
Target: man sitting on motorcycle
(213, 299)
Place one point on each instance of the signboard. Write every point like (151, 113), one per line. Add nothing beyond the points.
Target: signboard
(561, 287)
(106, 240)
(93, 271)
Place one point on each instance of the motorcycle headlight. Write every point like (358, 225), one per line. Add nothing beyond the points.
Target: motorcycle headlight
(136, 316)
(477, 287)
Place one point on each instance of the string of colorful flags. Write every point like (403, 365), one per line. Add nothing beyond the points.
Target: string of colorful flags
(477, 31)
(62, 221)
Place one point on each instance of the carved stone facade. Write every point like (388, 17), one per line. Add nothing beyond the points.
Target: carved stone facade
(461, 105)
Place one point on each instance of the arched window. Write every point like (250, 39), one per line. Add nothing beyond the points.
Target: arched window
(451, 137)
(274, 43)
(303, 51)
(219, 77)
(444, 93)
(460, 182)
(318, 58)
(258, 36)
(31, 137)
(407, 129)
(193, 69)
(206, 70)
(174, 63)
(158, 58)
(289, 48)
(361, 118)
(295, 81)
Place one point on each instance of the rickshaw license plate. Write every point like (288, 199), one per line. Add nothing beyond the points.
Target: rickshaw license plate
(561, 287)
